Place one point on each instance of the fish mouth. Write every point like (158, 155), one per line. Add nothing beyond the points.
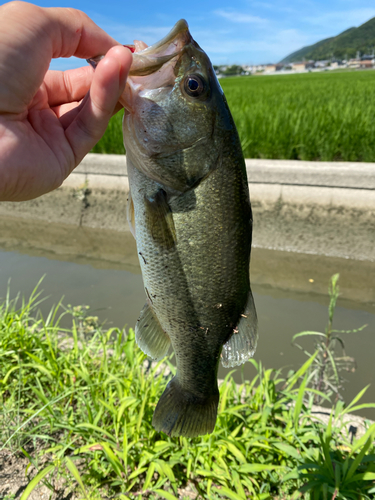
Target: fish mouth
(153, 67)
(152, 58)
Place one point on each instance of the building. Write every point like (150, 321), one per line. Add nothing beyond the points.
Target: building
(247, 68)
(366, 64)
(321, 64)
(259, 67)
(270, 68)
(302, 66)
(354, 63)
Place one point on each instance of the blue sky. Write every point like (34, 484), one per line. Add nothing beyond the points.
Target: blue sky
(242, 32)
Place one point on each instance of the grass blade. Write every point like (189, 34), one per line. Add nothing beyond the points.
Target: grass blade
(36, 480)
(73, 469)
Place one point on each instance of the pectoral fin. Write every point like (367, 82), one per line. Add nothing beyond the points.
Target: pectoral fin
(130, 215)
(150, 336)
(242, 344)
(159, 220)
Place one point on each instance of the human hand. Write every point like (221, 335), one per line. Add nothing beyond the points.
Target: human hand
(49, 120)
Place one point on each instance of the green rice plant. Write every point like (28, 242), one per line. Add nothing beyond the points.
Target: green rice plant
(80, 407)
(112, 141)
(315, 116)
(325, 373)
(324, 116)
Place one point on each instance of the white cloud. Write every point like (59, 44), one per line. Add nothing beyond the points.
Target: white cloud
(338, 21)
(240, 17)
(271, 46)
(263, 5)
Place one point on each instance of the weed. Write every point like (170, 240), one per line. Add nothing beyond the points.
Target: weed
(325, 372)
(87, 401)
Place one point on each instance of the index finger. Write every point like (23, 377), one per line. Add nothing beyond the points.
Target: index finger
(73, 33)
(30, 36)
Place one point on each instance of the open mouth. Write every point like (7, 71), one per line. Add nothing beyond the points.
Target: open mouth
(148, 59)
(152, 58)
(152, 66)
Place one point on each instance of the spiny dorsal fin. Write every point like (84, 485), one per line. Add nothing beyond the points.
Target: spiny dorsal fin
(242, 344)
(150, 336)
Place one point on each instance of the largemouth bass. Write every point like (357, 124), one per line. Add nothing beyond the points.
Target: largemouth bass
(190, 212)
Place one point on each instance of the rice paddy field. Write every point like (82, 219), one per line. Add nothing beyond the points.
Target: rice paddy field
(326, 116)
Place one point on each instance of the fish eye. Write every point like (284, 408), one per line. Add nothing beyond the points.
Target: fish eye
(194, 85)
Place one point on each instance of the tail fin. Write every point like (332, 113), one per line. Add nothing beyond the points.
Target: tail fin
(181, 413)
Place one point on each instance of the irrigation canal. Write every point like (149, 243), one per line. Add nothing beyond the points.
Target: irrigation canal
(100, 268)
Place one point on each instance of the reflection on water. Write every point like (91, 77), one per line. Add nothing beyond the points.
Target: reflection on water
(100, 268)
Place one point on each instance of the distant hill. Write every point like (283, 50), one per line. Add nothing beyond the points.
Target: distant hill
(344, 45)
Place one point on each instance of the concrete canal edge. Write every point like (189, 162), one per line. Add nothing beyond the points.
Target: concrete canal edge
(307, 207)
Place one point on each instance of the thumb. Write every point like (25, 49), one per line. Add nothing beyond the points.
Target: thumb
(97, 108)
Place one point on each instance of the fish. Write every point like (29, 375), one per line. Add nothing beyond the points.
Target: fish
(189, 210)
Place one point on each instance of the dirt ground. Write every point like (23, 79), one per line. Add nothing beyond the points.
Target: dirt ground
(13, 480)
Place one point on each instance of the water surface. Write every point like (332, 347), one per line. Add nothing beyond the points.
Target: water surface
(100, 268)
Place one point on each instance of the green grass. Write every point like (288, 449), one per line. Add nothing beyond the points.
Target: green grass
(112, 142)
(86, 396)
(316, 116)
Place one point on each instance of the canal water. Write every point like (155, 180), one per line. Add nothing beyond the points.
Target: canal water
(100, 268)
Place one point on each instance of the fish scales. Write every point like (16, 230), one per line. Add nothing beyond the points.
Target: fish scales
(216, 276)
(190, 212)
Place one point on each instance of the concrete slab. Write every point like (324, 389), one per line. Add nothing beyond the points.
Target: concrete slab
(308, 173)
(306, 207)
(94, 163)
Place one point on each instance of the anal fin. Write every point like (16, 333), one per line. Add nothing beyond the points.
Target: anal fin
(242, 343)
(150, 336)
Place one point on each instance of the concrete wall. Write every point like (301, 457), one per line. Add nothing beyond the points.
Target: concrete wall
(307, 207)
(320, 208)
